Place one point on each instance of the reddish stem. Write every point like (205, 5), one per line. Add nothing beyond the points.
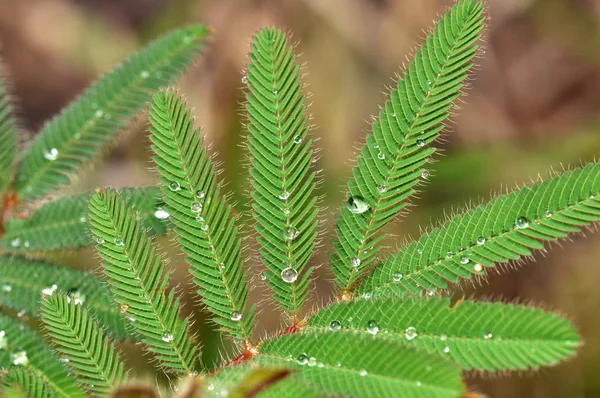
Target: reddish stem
(8, 203)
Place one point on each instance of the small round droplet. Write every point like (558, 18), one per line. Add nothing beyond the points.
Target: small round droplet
(289, 275)
(372, 327)
(429, 82)
(174, 186)
(275, 92)
(6, 288)
(118, 241)
(284, 195)
(410, 333)
(425, 175)
(367, 295)
(99, 114)
(15, 242)
(19, 358)
(82, 219)
(521, 223)
(161, 214)
(200, 194)
(446, 349)
(357, 205)
(487, 335)
(297, 139)
(355, 262)
(144, 74)
(419, 251)
(99, 240)
(449, 255)
(443, 337)
(431, 293)
(51, 154)
(244, 79)
(312, 361)
(196, 207)
(200, 218)
(290, 233)
(478, 267)
(380, 156)
(464, 260)
(381, 188)
(335, 325)
(302, 359)
(167, 337)
(263, 276)
(204, 227)
(480, 240)
(548, 213)
(420, 143)
(65, 360)
(362, 372)
(236, 316)
(397, 276)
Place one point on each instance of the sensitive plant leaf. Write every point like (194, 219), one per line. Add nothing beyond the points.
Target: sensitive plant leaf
(391, 163)
(138, 281)
(8, 139)
(343, 364)
(200, 216)
(22, 382)
(250, 381)
(22, 347)
(81, 341)
(23, 281)
(62, 223)
(283, 199)
(506, 229)
(479, 336)
(84, 128)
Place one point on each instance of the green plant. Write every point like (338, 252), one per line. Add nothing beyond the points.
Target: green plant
(390, 331)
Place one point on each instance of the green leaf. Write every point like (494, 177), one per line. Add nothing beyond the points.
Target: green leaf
(283, 199)
(246, 380)
(138, 281)
(8, 139)
(20, 382)
(391, 163)
(23, 282)
(480, 336)
(506, 229)
(24, 347)
(342, 364)
(201, 218)
(80, 340)
(84, 128)
(62, 223)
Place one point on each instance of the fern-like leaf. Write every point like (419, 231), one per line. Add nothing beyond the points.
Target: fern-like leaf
(506, 229)
(62, 224)
(200, 215)
(283, 200)
(82, 129)
(24, 347)
(80, 340)
(391, 163)
(139, 282)
(480, 336)
(352, 365)
(8, 139)
(23, 282)
(20, 382)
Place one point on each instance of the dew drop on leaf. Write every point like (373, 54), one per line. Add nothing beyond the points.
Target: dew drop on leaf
(6, 288)
(335, 325)
(161, 214)
(167, 337)
(19, 358)
(98, 114)
(357, 205)
(410, 333)
(431, 293)
(3, 340)
(478, 267)
(312, 361)
(464, 260)
(548, 213)
(443, 337)
(446, 349)
(82, 219)
(425, 175)
(174, 186)
(244, 79)
(289, 275)
(381, 188)
(297, 139)
(284, 195)
(521, 222)
(290, 233)
(420, 143)
(372, 327)
(487, 335)
(362, 372)
(51, 154)
(144, 74)
(196, 207)
(200, 218)
(480, 240)
(263, 277)
(397, 276)
(15, 242)
(302, 359)
(449, 254)
(204, 227)
(99, 241)
(200, 194)
(118, 241)
(236, 316)
(380, 156)
(64, 360)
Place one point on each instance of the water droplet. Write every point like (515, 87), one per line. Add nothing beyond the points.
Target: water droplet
(284, 195)
(167, 337)
(297, 139)
(372, 327)
(204, 227)
(312, 361)
(357, 205)
(355, 262)
(431, 293)
(487, 335)
(222, 266)
(548, 213)
(21, 313)
(302, 359)
(449, 255)
(98, 114)
(196, 207)
(478, 267)
(410, 333)
(236, 316)
(419, 251)
(174, 186)
(49, 291)
(443, 337)
(275, 92)
(118, 241)
(263, 276)
(19, 358)
(161, 214)
(99, 240)
(429, 82)
(592, 196)
(6, 288)
(289, 275)
(381, 188)
(464, 260)
(425, 175)
(82, 219)
(244, 79)
(362, 372)
(521, 222)
(420, 143)
(393, 115)
(380, 156)
(76, 296)
(480, 240)
(144, 74)
(15, 242)
(397, 276)
(200, 194)
(64, 360)
(3, 340)
(367, 295)
(51, 154)
(446, 349)
(200, 218)
(286, 211)
(335, 325)
(290, 233)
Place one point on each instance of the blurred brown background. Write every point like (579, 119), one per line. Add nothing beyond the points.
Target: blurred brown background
(533, 105)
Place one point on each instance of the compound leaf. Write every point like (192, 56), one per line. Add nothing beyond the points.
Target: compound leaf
(22, 382)
(8, 139)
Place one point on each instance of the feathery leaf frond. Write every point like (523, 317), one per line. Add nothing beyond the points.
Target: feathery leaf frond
(283, 199)
(139, 282)
(82, 129)
(21, 382)
(200, 215)
(391, 163)
(62, 223)
(352, 365)
(8, 139)
(481, 336)
(24, 281)
(81, 341)
(22, 346)
(507, 228)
